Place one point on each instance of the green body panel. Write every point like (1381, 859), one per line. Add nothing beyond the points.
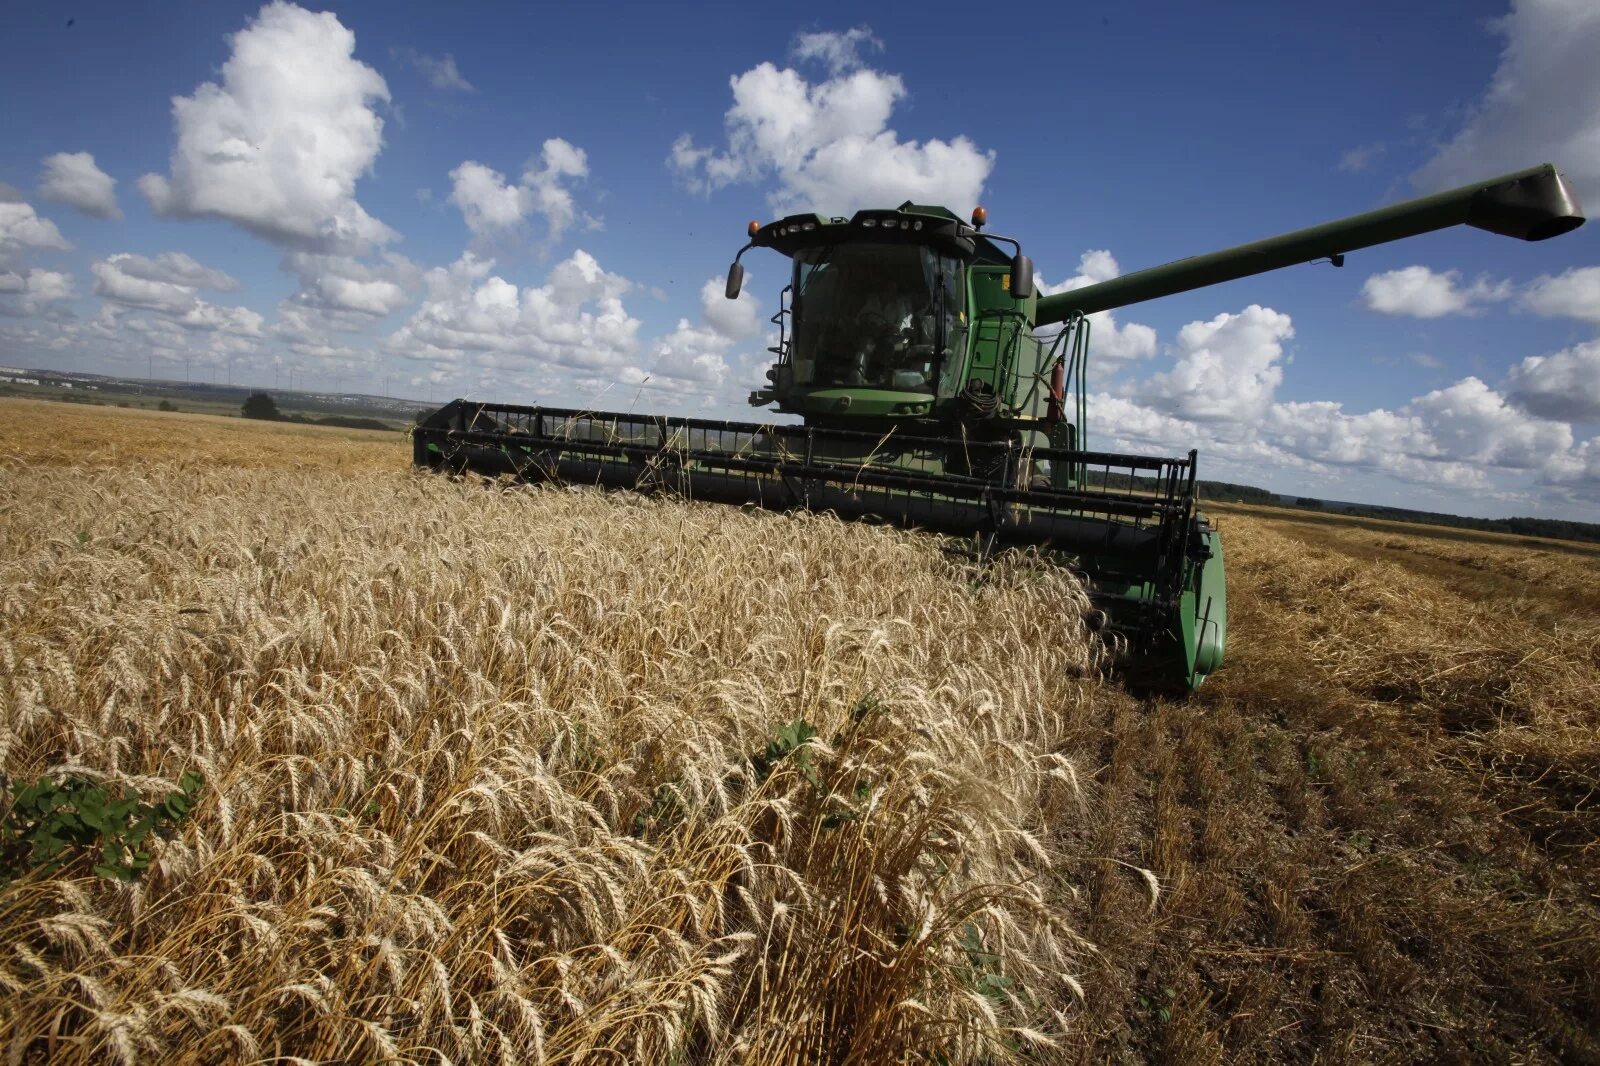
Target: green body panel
(1204, 613)
(1000, 341)
(864, 403)
(1194, 648)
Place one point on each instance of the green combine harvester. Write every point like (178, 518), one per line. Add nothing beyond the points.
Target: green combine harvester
(910, 348)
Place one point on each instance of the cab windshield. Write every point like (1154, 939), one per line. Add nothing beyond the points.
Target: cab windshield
(873, 315)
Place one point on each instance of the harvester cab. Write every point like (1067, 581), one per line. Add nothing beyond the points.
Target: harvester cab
(917, 354)
(883, 311)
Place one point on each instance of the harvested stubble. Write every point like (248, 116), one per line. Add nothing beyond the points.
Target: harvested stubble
(1508, 691)
(486, 776)
(1375, 829)
(1414, 760)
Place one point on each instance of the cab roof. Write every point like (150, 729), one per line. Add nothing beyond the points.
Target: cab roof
(909, 223)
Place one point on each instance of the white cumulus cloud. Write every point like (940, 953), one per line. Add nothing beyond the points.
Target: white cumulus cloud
(576, 320)
(487, 201)
(700, 360)
(1322, 431)
(278, 146)
(1455, 437)
(441, 71)
(828, 145)
(33, 293)
(1470, 422)
(207, 336)
(21, 227)
(175, 268)
(1578, 472)
(1422, 293)
(839, 52)
(737, 320)
(691, 356)
(573, 332)
(1573, 294)
(1564, 384)
(133, 290)
(209, 317)
(1542, 105)
(1112, 343)
(341, 283)
(492, 206)
(1219, 396)
(1228, 369)
(72, 178)
(167, 286)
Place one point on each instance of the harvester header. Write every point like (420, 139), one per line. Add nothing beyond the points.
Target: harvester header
(911, 350)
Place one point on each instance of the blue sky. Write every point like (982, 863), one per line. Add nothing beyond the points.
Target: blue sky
(510, 201)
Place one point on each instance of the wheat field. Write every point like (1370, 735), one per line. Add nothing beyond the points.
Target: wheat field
(508, 774)
(491, 771)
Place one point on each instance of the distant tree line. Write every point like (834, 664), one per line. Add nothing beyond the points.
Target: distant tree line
(1227, 492)
(261, 405)
(1222, 491)
(1557, 528)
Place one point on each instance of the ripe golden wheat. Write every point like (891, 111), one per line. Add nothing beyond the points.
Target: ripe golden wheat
(488, 775)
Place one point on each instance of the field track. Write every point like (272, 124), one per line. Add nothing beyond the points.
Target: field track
(1378, 823)
(1375, 834)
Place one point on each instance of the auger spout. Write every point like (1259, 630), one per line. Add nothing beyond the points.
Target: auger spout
(1532, 205)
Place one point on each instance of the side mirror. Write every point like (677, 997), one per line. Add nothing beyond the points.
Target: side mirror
(735, 280)
(1021, 277)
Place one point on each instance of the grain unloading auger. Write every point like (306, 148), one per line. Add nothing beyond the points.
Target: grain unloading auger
(907, 346)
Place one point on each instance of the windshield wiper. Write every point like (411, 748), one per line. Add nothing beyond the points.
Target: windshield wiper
(827, 254)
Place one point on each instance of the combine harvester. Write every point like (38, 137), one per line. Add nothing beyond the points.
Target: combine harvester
(907, 347)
